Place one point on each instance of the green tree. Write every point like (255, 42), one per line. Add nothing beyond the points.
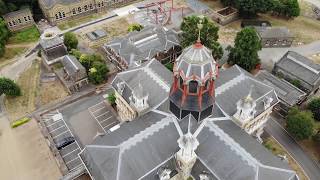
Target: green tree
(245, 51)
(135, 27)
(70, 40)
(9, 87)
(288, 8)
(300, 123)
(314, 107)
(12, 7)
(98, 72)
(76, 53)
(4, 34)
(250, 8)
(208, 34)
(3, 7)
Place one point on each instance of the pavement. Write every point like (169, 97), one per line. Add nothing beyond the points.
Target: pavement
(311, 168)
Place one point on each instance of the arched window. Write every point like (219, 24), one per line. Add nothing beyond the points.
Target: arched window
(57, 17)
(79, 9)
(63, 14)
(60, 15)
(193, 87)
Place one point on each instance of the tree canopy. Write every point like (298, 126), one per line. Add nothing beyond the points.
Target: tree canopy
(300, 123)
(70, 40)
(98, 72)
(208, 34)
(314, 107)
(245, 51)
(4, 34)
(249, 8)
(9, 87)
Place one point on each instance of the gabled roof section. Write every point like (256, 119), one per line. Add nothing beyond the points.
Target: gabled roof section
(153, 77)
(234, 84)
(137, 156)
(188, 124)
(299, 66)
(50, 3)
(287, 93)
(144, 45)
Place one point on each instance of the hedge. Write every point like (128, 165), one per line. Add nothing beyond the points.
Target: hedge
(20, 122)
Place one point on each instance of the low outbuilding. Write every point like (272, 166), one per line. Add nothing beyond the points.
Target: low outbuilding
(272, 37)
(73, 75)
(300, 71)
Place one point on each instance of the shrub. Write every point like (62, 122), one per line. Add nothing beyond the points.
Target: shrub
(112, 98)
(169, 66)
(20, 122)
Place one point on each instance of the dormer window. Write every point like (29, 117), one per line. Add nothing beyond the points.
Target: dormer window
(193, 87)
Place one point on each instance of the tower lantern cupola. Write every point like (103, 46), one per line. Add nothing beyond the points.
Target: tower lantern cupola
(192, 92)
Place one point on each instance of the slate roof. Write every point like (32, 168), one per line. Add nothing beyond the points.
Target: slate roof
(286, 92)
(142, 147)
(234, 83)
(273, 32)
(51, 42)
(154, 78)
(50, 3)
(144, 45)
(73, 67)
(299, 66)
(18, 12)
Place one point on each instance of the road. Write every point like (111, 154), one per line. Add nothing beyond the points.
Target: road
(310, 167)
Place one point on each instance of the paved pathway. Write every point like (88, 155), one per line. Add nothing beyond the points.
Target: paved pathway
(310, 167)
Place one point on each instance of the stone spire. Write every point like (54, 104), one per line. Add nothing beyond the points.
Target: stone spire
(139, 98)
(245, 108)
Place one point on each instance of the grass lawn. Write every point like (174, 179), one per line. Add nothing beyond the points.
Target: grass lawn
(78, 21)
(305, 30)
(116, 28)
(18, 107)
(312, 147)
(9, 54)
(52, 92)
(27, 35)
(277, 149)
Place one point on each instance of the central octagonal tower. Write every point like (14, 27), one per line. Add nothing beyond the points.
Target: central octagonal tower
(192, 92)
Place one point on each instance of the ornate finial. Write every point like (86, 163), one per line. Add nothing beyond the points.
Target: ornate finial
(249, 97)
(200, 26)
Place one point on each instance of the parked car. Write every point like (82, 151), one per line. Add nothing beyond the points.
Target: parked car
(65, 142)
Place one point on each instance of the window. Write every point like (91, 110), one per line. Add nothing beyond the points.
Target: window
(99, 5)
(29, 18)
(102, 4)
(193, 87)
(79, 9)
(60, 15)
(25, 19)
(10, 24)
(86, 8)
(74, 11)
(14, 23)
(91, 7)
(63, 14)
(19, 20)
(57, 17)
